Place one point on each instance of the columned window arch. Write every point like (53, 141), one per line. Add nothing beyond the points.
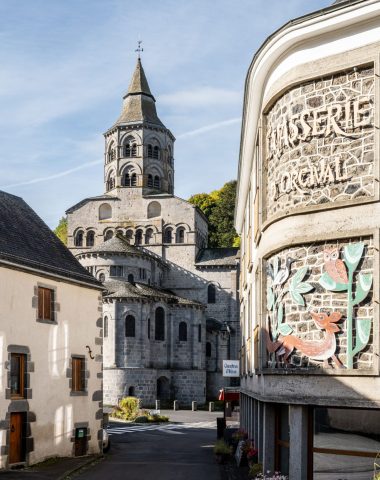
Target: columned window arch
(150, 181)
(129, 235)
(182, 332)
(90, 238)
(156, 182)
(168, 235)
(149, 236)
(180, 235)
(130, 326)
(156, 152)
(79, 238)
(159, 330)
(108, 235)
(139, 237)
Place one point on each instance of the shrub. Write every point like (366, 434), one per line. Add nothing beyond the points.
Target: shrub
(222, 448)
(255, 470)
(142, 419)
(127, 409)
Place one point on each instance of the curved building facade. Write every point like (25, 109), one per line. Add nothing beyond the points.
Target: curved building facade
(308, 213)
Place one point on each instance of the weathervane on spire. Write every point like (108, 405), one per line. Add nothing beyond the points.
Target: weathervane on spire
(139, 48)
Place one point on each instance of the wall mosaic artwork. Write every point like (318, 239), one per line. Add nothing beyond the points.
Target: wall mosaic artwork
(319, 307)
(320, 143)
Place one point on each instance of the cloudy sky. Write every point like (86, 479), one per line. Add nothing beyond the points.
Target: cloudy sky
(64, 68)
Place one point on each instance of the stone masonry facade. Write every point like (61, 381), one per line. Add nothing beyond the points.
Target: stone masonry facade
(320, 143)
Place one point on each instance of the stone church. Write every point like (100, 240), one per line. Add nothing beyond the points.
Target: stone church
(170, 307)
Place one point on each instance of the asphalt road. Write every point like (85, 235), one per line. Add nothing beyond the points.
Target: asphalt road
(166, 452)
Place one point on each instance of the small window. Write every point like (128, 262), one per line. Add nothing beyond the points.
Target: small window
(150, 181)
(183, 332)
(208, 349)
(211, 294)
(131, 391)
(142, 273)
(79, 239)
(78, 370)
(199, 333)
(105, 211)
(134, 149)
(154, 210)
(131, 278)
(156, 152)
(168, 235)
(18, 375)
(150, 151)
(116, 271)
(45, 304)
(105, 327)
(180, 235)
(129, 235)
(138, 237)
(130, 326)
(108, 235)
(159, 333)
(133, 180)
(156, 182)
(90, 239)
(148, 236)
(102, 278)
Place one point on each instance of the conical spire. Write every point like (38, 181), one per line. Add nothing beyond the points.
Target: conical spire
(139, 83)
(139, 103)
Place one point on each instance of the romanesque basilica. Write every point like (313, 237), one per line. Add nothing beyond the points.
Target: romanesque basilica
(170, 307)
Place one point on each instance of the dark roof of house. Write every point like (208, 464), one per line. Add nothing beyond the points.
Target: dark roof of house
(89, 199)
(127, 290)
(27, 241)
(210, 257)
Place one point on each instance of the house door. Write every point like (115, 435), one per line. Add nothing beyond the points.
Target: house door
(80, 442)
(16, 439)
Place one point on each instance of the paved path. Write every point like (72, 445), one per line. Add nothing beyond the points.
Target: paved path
(161, 452)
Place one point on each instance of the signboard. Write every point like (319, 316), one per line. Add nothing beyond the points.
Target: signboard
(231, 368)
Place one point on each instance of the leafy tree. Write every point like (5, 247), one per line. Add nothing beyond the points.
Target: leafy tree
(219, 207)
(61, 230)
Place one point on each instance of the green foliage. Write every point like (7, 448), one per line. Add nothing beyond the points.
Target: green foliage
(61, 230)
(127, 409)
(255, 469)
(222, 448)
(219, 207)
(141, 419)
(298, 288)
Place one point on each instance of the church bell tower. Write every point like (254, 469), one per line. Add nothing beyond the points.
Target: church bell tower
(138, 147)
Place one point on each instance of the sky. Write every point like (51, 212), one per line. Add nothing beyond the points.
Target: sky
(65, 66)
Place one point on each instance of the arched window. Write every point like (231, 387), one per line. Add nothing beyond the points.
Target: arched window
(199, 333)
(127, 180)
(111, 153)
(130, 326)
(156, 152)
(150, 181)
(211, 293)
(156, 182)
(182, 332)
(105, 211)
(105, 327)
(148, 236)
(150, 151)
(208, 349)
(130, 149)
(129, 235)
(90, 238)
(134, 149)
(133, 180)
(111, 181)
(108, 235)
(119, 232)
(139, 237)
(131, 278)
(159, 330)
(180, 235)
(78, 241)
(102, 278)
(131, 391)
(148, 327)
(168, 235)
(154, 210)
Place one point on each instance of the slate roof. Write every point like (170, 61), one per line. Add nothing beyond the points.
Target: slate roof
(139, 103)
(127, 290)
(27, 241)
(210, 257)
(89, 199)
(118, 244)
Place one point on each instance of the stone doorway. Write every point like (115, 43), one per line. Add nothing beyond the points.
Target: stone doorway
(163, 389)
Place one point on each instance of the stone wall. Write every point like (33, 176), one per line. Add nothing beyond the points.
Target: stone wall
(320, 143)
(312, 291)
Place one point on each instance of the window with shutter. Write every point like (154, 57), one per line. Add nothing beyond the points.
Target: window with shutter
(78, 368)
(45, 304)
(18, 375)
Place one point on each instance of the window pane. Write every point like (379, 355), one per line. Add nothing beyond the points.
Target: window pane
(78, 383)
(15, 374)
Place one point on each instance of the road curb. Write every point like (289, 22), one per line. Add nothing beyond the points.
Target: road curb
(93, 460)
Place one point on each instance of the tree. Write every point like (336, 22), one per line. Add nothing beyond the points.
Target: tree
(219, 207)
(61, 230)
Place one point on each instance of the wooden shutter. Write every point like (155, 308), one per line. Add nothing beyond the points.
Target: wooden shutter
(45, 303)
(77, 374)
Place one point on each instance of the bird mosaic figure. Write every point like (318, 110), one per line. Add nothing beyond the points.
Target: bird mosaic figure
(334, 266)
(283, 274)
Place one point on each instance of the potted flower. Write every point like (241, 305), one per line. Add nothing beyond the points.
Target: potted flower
(251, 454)
(222, 451)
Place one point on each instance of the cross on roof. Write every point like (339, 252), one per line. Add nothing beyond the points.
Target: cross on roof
(139, 48)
